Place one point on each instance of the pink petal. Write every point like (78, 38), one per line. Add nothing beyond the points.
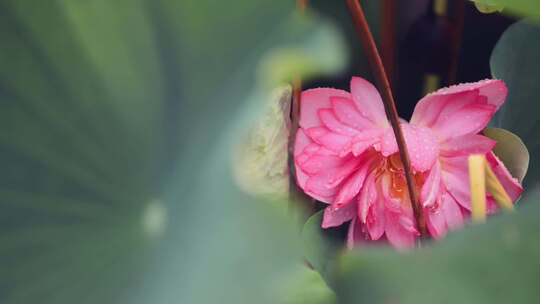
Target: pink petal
(354, 234)
(311, 101)
(348, 114)
(466, 145)
(300, 143)
(493, 89)
(337, 216)
(376, 219)
(436, 106)
(392, 204)
(436, 222)
(455, 176)
(354, 183)
(452, 212)
(332, 141)
(470, 119)
(510, 184)
(325, 183)
(368, 196)
(366, 140)
(329, 120)
(421, 143)
(431, 188)
(397, 235)
(368, 101)
(428, 108)
(317, 163)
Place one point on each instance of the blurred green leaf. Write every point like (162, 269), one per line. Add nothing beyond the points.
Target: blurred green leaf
(487, 7)
(490, 263)
(117, 125)
(527, 8)
(320, 248)
(515, 60)
(304, 286)
(511, 151)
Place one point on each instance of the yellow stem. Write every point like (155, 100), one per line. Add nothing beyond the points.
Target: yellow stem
(477, 179)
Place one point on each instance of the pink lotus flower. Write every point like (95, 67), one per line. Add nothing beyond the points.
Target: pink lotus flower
(346, 156)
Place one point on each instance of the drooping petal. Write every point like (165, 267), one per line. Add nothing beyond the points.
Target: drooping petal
(436, 222)
(466, 145)
(354, 234)
(311, 101)
(455, 177)
(351, 187)
(376, 219)
(444, 216)
(334, 216)
(347, 113)
(431, 189)
(325, 183)
(400, 237)
(367, 197)
(509, 183)
(391, 204)
(368, 101)
(428, 109)
(452, 212)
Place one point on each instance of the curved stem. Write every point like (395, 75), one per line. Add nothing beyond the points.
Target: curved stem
(372, 53)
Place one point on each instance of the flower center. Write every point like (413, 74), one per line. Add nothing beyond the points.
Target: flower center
(398, 185)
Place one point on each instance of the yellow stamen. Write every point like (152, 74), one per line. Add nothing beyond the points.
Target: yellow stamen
(495, 187)
(477, 179)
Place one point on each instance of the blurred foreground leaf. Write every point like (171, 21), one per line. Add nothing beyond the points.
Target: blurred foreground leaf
(496, 262)
(304, 286)
(117, 125)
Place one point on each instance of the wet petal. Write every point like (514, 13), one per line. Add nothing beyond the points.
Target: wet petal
(470, 119)
(421, 143)
(428, 109)
(347, 113)
(368, 101)
(466, 145)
